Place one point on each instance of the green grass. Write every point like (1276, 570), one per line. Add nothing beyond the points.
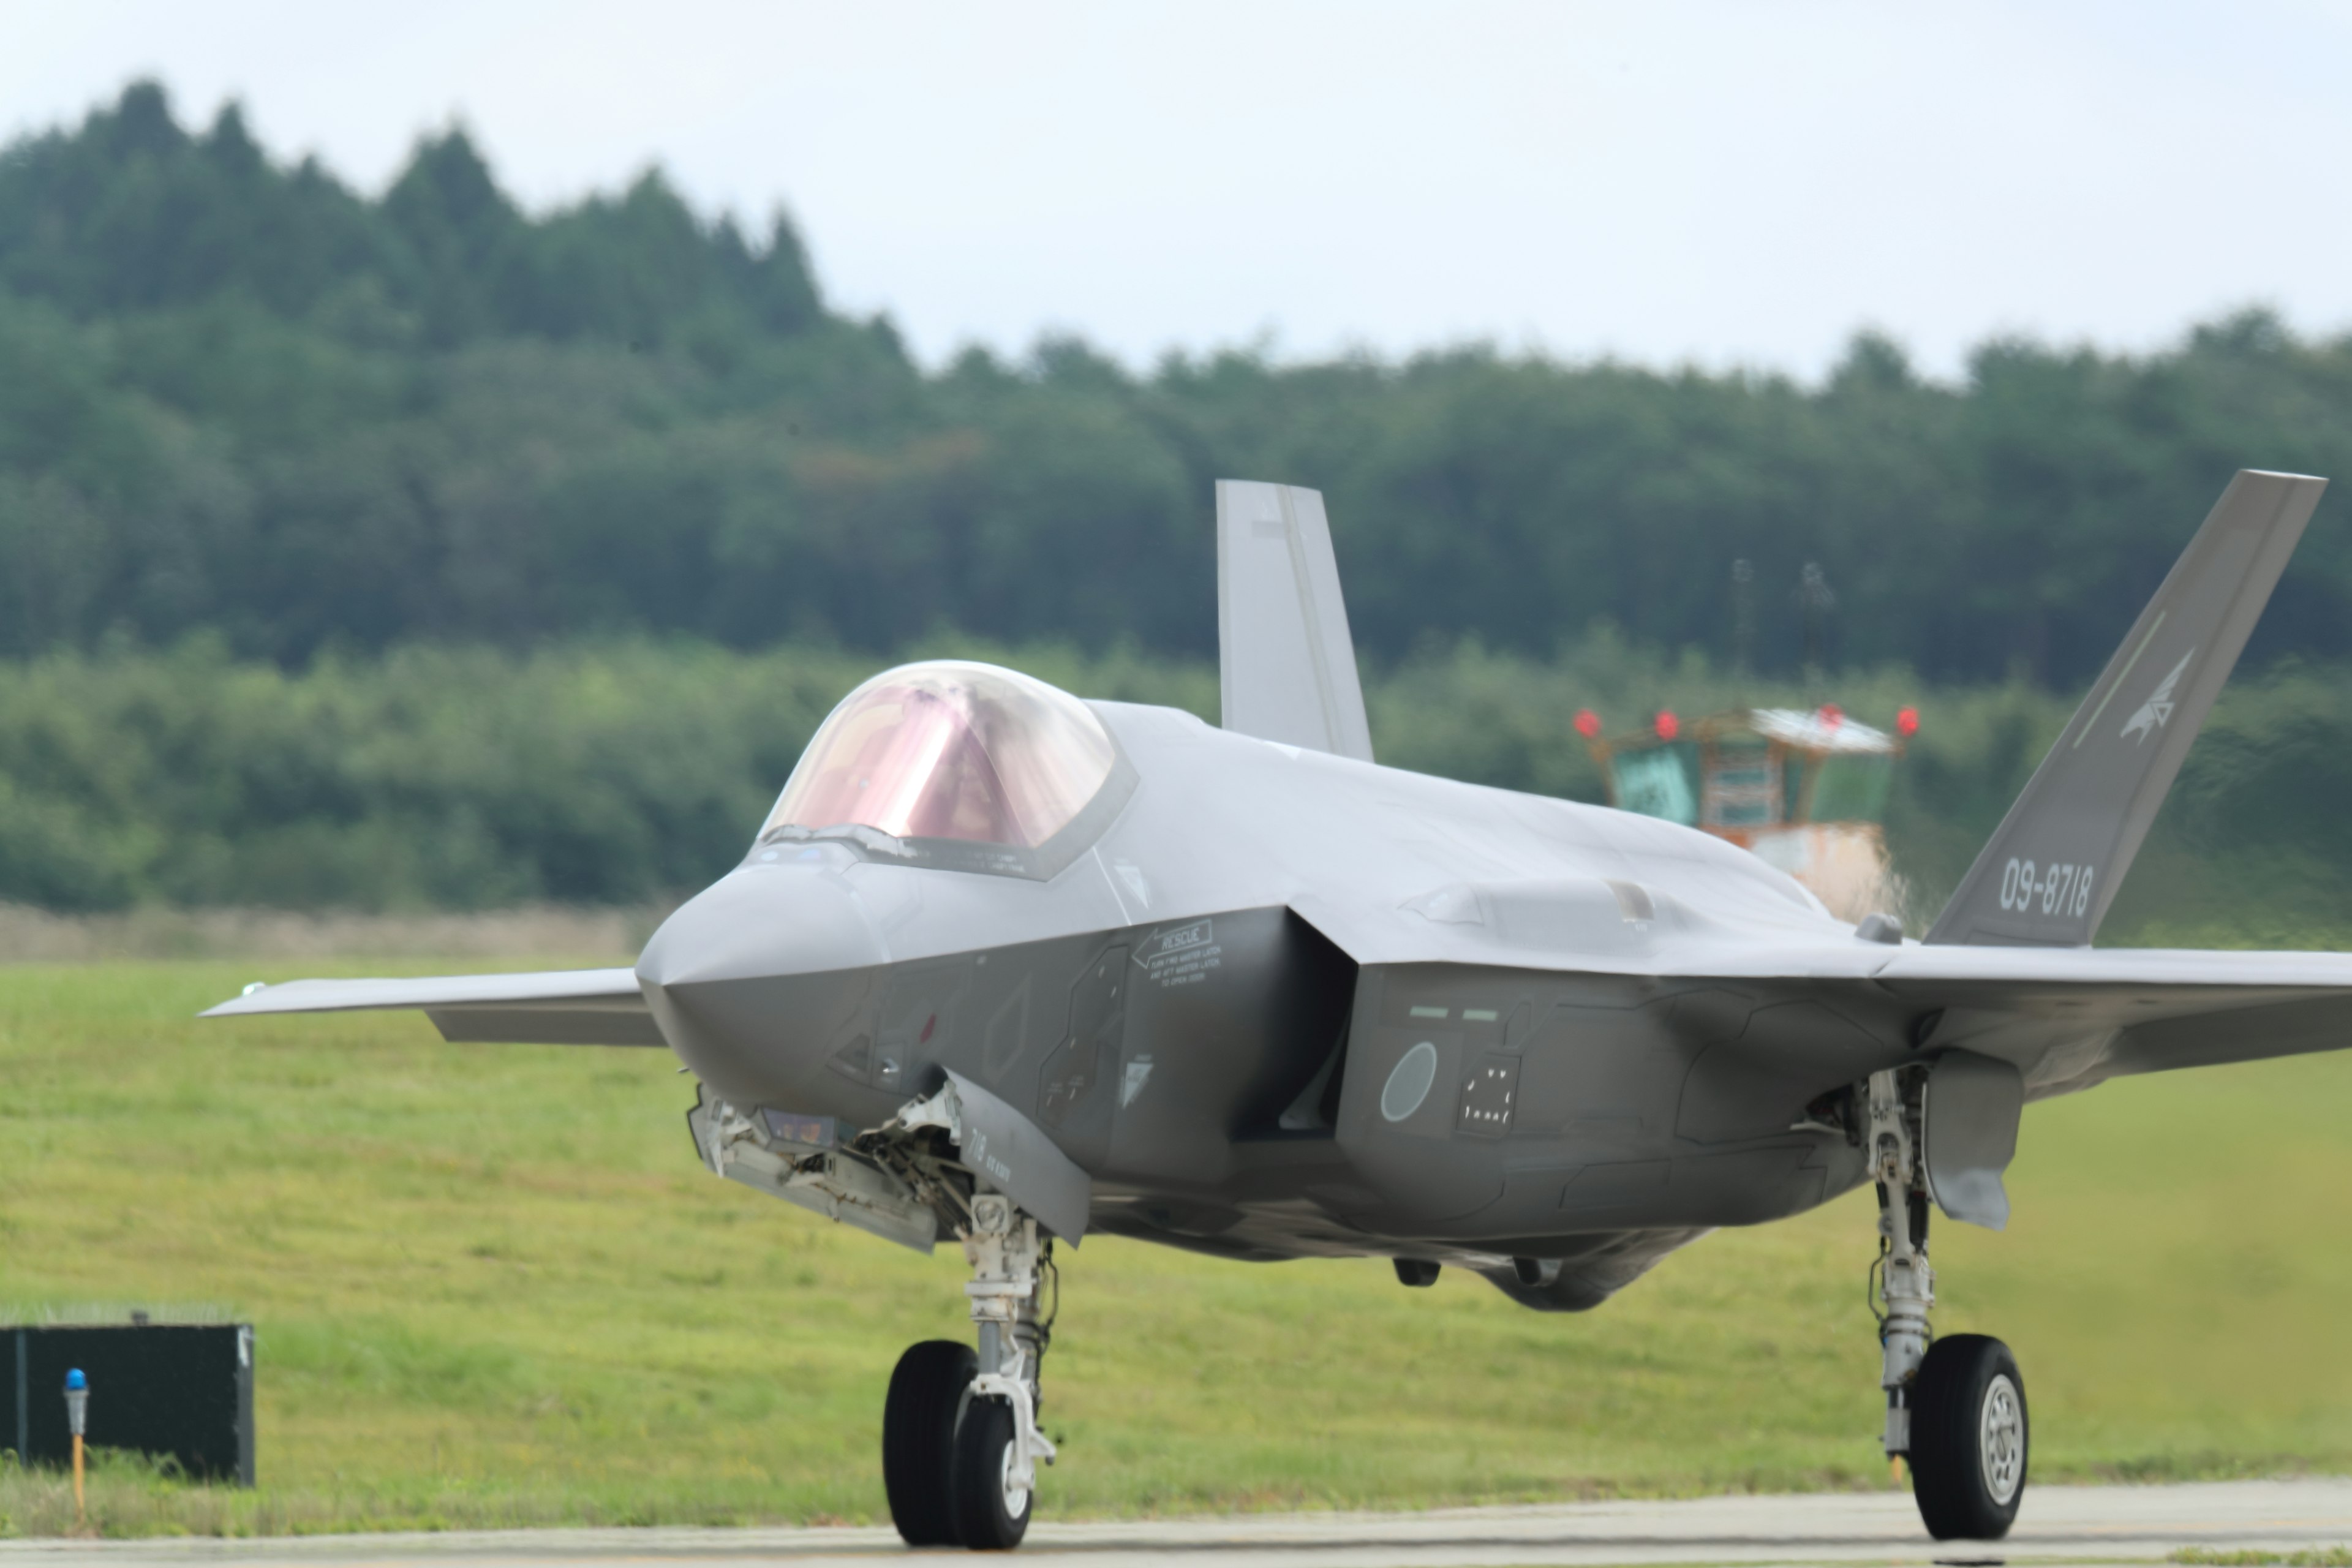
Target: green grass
(493, 1287)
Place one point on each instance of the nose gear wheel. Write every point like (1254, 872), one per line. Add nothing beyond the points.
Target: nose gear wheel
(918, 1438)
(991, 1504)
(961, 1444)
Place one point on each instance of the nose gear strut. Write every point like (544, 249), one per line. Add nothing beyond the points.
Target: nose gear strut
(960, 1439)
(1012, 1265)
(961, 1442)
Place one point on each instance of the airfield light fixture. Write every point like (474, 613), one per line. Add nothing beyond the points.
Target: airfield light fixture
(77, 1418)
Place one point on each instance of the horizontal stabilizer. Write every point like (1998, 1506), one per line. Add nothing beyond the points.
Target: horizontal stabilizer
(1288, 665)
(554, 1007)
(2052, 869)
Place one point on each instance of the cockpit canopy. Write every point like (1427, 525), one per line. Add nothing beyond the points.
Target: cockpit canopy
(949, 750)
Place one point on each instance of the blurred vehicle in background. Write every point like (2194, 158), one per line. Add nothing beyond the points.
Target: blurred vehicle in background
(1806, 790)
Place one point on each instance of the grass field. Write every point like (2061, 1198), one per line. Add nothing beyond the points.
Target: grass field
(493, 1286)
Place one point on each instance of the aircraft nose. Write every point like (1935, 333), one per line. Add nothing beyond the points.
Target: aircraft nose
(757, 979)
(758, 922)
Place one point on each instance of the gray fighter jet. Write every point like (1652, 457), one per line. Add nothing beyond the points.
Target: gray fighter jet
(1004, 968)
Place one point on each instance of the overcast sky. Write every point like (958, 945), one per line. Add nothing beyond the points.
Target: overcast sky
(1736, 183)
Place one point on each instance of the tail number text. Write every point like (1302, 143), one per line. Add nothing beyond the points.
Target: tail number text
(2053, 889)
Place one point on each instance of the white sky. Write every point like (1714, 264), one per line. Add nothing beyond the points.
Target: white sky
(1744, 182)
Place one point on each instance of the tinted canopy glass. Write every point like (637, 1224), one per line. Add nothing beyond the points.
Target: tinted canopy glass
(951, 749)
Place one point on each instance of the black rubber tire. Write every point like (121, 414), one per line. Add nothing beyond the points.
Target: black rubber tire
(1968, 1485)
(984, 1520)
(918, 1429)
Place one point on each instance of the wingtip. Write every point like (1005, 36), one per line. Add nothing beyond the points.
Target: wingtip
(232, 1007)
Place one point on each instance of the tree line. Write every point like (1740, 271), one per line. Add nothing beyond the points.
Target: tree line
(412, 550)
(633, 771)
(239, 398)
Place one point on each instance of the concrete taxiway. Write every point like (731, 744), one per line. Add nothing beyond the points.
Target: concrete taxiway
(2075, 1525)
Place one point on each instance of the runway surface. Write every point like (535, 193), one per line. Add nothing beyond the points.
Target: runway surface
(2075, 1525)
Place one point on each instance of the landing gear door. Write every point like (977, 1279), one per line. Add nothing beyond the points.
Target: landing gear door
(1969, 1117)
(1012, 1155)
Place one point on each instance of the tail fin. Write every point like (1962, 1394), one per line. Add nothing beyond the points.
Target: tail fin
(2049, 873)
(1289, 665)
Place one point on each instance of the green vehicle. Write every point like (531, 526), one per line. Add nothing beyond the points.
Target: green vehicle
(1806, 790)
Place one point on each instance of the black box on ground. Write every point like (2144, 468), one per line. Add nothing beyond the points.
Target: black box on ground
(171, 1390)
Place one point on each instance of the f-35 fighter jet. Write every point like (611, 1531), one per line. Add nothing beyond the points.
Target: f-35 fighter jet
(1005, 968)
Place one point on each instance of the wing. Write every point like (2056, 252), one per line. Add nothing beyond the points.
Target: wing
(1288, 665)
(557, 1008)
(1994, 1026)
(2069, 1018)
(1816, 1014)
(2064, 1019)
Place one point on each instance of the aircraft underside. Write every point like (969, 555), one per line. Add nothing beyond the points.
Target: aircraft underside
(1235, 1085)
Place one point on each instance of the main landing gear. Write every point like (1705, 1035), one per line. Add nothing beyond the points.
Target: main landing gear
(959, 1437)
(1955, 1406)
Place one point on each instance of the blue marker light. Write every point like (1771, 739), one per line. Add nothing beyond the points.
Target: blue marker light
(77, 1421)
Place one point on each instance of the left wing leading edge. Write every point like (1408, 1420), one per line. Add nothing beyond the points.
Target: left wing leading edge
(554, 1007)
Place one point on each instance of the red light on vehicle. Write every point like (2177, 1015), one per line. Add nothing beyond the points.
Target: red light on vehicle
(1831, 715)
(1907, 723)
(1667, 725)
(1587, 723)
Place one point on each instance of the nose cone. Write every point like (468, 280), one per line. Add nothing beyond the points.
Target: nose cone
(760, 922)
(757, 979)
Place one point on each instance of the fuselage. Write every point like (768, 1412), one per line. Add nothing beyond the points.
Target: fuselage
(1284, 1003)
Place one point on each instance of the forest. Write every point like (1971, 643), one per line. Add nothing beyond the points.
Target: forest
(413, 548)
(243, 397)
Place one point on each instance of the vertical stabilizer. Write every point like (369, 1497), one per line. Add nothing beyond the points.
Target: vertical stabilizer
(2052, 869)
(1288, 664)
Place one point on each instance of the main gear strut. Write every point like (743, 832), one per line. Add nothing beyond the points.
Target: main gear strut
(1904, 1288)
(1954, 1405)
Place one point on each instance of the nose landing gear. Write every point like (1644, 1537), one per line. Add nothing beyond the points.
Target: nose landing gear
(1955, 1406)
(960, 1437)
